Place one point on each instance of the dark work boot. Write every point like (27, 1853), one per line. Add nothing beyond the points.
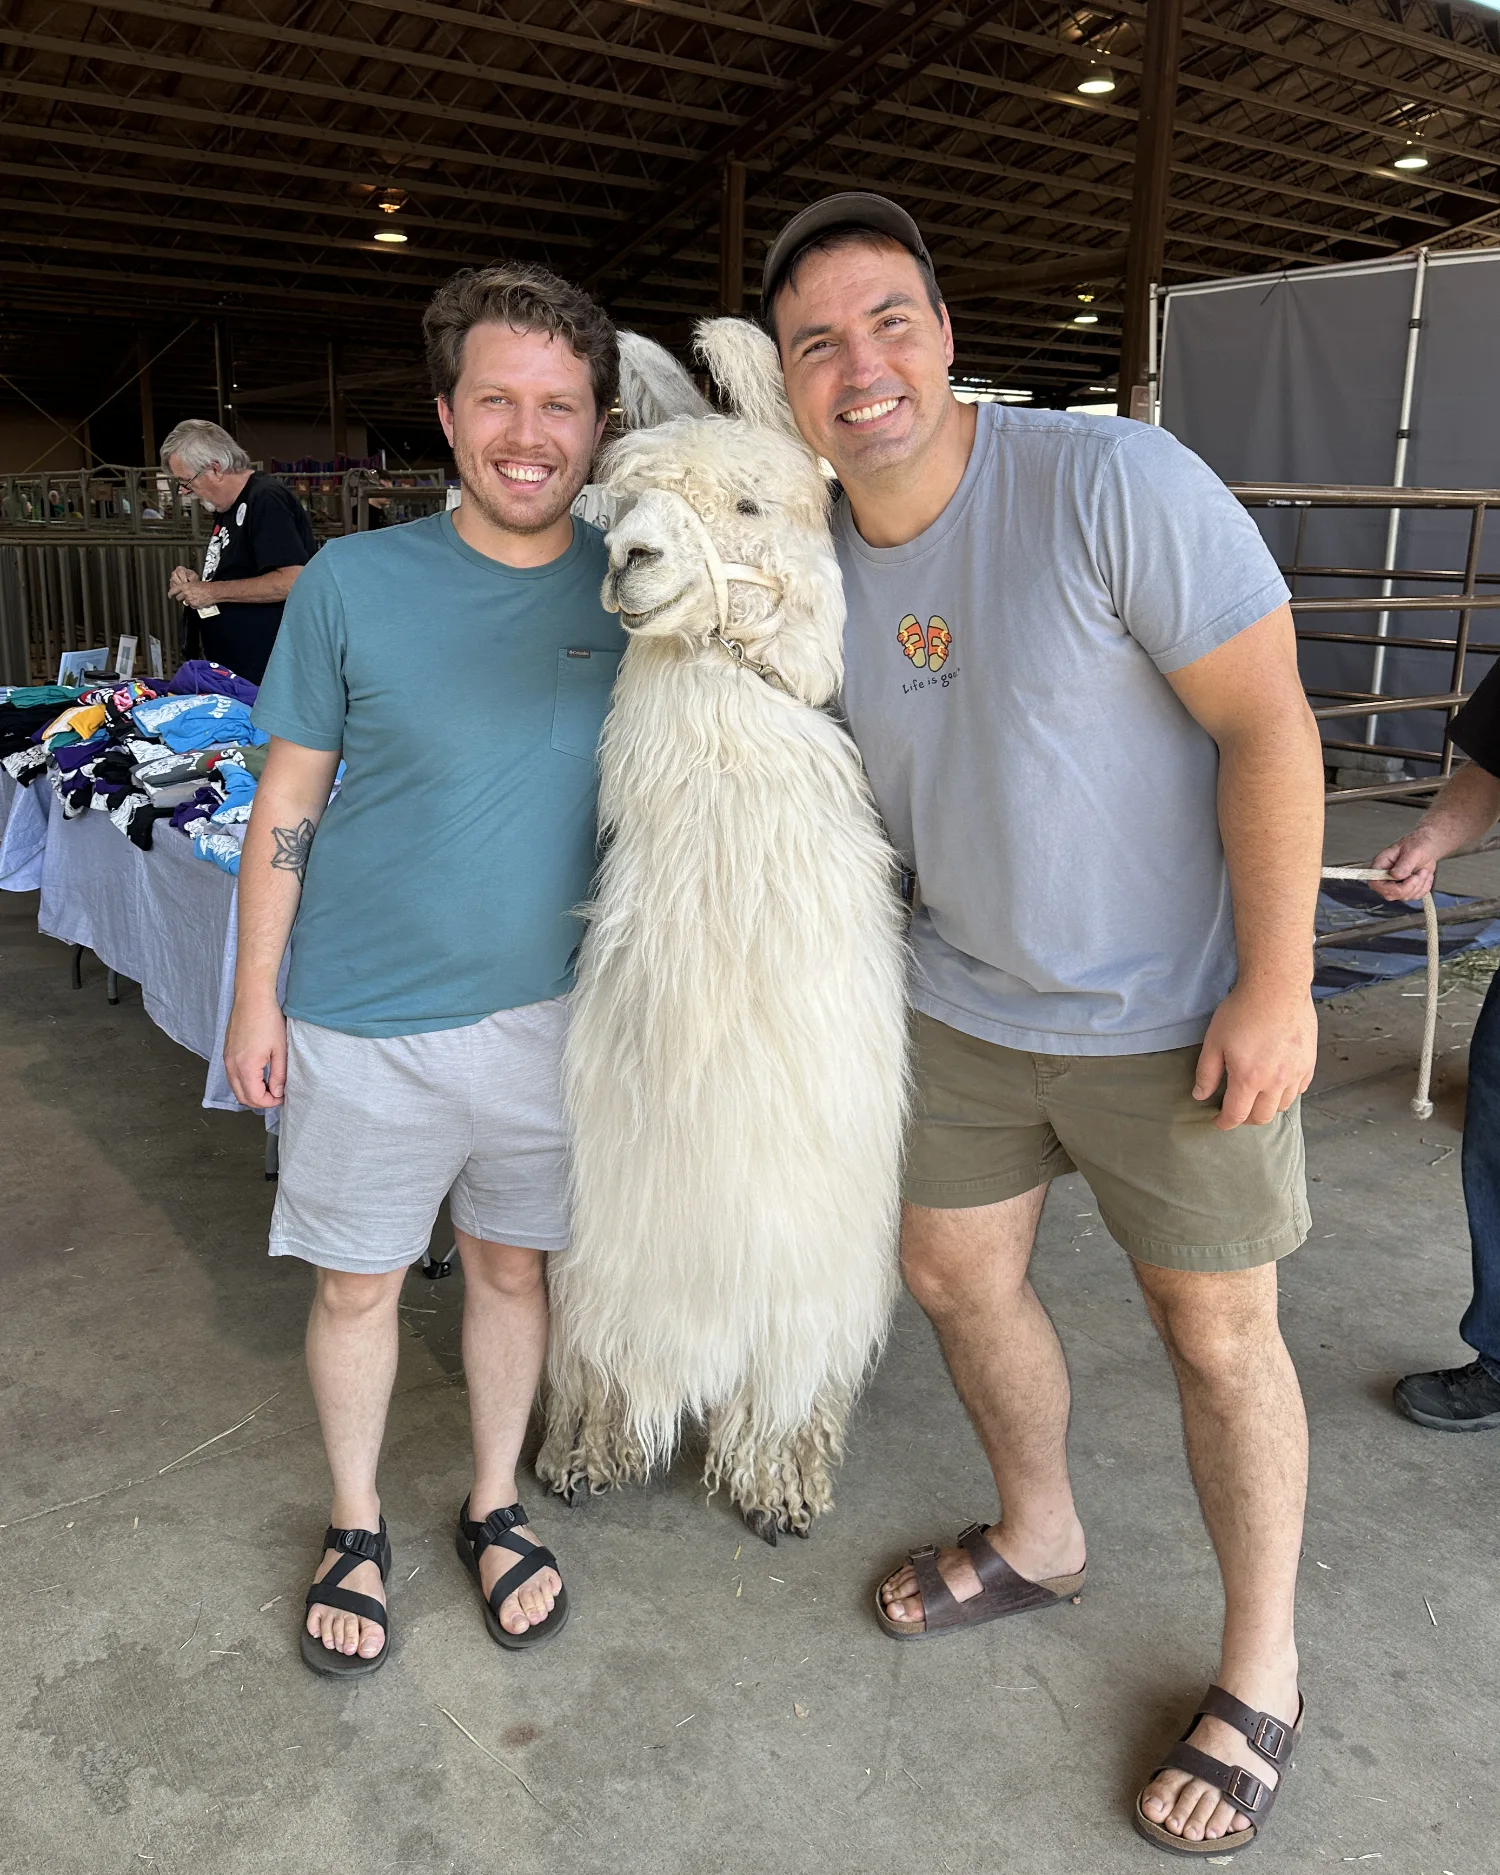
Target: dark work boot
(1454, 1399)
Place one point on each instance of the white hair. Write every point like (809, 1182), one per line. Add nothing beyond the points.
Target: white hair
(203, 445)
(736, 1063)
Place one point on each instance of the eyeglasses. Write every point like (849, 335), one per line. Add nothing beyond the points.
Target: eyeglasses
(186, 483)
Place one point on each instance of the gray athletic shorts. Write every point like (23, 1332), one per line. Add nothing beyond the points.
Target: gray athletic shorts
(377, 1130)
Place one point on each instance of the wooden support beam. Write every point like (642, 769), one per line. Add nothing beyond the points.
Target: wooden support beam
(304, 388)
(338, 416)
(828, 80)
(1148, 196)
(732, 239)
(1101, 269)
(143, 379)
(220, 376)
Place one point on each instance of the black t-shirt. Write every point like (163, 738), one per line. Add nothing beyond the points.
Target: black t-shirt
(1476, 728)
(265, 529)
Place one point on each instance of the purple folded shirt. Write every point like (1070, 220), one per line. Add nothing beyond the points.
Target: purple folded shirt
(199, 677)
(205, 802)
(77, 754)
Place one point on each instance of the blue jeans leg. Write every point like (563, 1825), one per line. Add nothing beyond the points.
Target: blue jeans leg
(1480, 1326)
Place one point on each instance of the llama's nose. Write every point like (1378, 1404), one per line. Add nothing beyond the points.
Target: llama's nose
(641, 556)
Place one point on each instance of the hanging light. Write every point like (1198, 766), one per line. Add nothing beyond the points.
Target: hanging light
(390, 201)
(393, 237)
(1411, 158)
(1097, 83)
(1086, 319)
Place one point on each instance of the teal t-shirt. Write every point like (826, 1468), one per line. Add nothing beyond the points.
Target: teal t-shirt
(467, 698)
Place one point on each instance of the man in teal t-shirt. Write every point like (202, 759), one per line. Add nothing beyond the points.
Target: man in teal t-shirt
(461, 668)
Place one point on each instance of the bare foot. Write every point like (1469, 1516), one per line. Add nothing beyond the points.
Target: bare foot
(1034, 1561)
(1196, 1811)
(343, 1633)
(534, 1600)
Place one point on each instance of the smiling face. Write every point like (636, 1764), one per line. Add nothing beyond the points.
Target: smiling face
(522, 426)
(865, 357)
(697, 490)
(691, 492)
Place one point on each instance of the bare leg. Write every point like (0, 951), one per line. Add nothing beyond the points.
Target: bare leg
(351, 1362)
(505, 1343)
(968, 1270)
(1246, 1438)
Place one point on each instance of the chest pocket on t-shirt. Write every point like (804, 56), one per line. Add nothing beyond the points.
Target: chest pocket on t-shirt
(584, 682)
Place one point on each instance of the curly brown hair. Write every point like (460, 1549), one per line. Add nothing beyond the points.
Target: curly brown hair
(531, 299)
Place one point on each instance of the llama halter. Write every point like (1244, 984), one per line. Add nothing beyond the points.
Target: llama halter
(721, 574)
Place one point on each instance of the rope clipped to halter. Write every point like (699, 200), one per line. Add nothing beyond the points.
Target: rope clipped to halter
(742, 657)
(1421, 1106)
(721, 573)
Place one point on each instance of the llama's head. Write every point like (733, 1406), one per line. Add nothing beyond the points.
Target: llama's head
(721, 540)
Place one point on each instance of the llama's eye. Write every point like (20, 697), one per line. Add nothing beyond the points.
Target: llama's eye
(747, 507)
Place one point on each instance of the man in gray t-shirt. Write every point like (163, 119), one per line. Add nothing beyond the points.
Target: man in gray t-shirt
(1071, 671)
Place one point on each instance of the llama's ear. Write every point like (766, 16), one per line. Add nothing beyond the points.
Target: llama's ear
(653, 386)
(747, 369)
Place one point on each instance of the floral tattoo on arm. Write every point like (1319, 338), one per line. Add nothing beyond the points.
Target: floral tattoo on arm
(293, 844)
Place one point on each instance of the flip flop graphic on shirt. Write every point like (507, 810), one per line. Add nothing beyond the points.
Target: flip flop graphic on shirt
(939, 641)
(909, 637)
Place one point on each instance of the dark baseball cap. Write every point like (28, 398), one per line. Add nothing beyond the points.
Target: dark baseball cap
(856, 208)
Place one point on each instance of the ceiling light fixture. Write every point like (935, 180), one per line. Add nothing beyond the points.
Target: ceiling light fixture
(392, 236)
(391, 201)
(1098, 84)
(1411, 158)
(1086, 319)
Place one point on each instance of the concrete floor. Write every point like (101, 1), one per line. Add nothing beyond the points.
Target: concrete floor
(716, 1707)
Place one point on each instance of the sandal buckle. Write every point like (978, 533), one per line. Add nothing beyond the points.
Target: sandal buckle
(500, 1521)
(927, 1549)
(969, 1531)
(1270, 1737)
(1245, 1789)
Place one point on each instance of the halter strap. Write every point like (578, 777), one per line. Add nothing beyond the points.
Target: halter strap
(722, 574)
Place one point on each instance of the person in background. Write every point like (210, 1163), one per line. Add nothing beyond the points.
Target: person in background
(1465, 1399)
(462, 666)
(261, 541)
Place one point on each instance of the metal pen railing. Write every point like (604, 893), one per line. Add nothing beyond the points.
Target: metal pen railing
(86, 556)
(1460, 591)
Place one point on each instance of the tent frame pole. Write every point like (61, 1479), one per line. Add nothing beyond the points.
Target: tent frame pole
(1398, 478)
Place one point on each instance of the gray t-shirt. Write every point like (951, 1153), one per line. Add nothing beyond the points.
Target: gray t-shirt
(1004, 682)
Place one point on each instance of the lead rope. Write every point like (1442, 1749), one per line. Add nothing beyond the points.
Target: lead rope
(1421, 1106)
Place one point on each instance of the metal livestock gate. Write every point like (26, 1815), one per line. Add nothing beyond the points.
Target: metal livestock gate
(85, 557)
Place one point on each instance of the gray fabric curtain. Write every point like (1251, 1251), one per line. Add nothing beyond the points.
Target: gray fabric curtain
(1297, 378)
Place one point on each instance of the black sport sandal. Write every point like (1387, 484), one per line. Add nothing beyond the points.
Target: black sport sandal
(499, 1529)
(357, 1546)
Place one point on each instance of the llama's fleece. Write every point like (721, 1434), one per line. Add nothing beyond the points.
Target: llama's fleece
(735, 1069)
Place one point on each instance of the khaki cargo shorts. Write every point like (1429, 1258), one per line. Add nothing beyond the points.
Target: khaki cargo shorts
(990, 1123)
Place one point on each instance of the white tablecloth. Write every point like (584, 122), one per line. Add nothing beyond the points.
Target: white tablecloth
(23, 833)
(164, 919)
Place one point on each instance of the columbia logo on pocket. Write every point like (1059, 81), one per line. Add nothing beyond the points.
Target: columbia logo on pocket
(580, 654)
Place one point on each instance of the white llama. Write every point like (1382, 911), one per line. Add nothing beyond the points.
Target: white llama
(736, 1065)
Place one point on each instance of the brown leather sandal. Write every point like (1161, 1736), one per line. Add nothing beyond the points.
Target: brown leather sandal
(1002, 1591)
(1269, 1738)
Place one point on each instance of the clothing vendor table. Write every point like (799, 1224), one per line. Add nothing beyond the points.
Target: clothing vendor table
(165, 919)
